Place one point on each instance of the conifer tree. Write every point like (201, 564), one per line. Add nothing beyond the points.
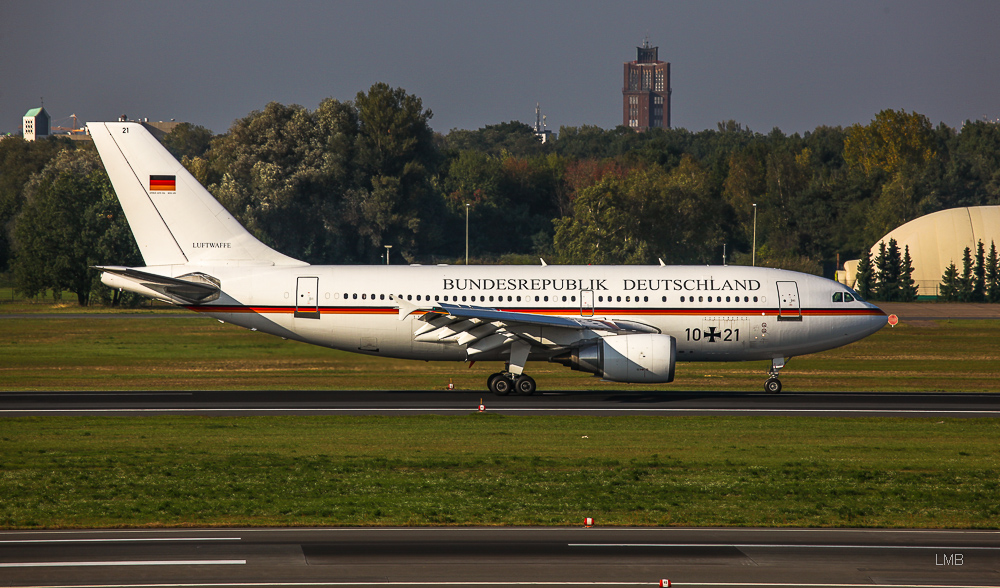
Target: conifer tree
(949, 284)
(866, 275)
(992, 275)
(965, 281)
(907, 285)
(978, 293)
(881, 269)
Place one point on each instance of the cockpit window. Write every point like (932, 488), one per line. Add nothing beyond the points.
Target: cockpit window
(838, 296)
(852, 296)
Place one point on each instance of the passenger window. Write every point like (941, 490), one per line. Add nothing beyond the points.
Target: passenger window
(409, 296)
(564, 299)
(536, 298)
(645, 298)
(619, 299)
(682, 299)
(463, 298)
(664, 299)
(437, 297)
(848, 297)
(838, 296)
(546, 298)
(355, 296)
(518, 298)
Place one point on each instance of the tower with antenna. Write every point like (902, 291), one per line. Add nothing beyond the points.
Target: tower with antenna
(544, 135)
(646, 90)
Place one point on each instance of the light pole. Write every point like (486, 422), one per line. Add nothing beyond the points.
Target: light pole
(753, 256)
(387, 248)
(466, 233)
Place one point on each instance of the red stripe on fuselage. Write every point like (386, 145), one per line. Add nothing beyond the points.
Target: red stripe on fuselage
(705, 312)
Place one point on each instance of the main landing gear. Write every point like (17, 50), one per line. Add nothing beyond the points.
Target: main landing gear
(503, 383)
(773, 384)
(513, 379)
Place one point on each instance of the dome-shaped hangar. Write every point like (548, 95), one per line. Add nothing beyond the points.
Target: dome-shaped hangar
(937, 240)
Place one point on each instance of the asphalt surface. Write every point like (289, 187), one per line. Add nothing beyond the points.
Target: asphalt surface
(840, 404)
(500, 557)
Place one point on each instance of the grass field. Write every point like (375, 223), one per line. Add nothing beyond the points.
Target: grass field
(116, 352)
(484, 469)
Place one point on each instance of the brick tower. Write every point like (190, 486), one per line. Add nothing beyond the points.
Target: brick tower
(646, 90)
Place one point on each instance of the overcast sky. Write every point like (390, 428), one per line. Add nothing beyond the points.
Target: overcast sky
(791, 65)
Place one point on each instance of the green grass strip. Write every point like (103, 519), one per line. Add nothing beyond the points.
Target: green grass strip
(119, 353)
(484, 469)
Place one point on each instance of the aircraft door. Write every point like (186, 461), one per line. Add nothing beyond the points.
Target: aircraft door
(788, 302)
(586, 303)
(307, 298)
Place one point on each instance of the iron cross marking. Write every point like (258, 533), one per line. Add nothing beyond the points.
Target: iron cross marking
(712, 334)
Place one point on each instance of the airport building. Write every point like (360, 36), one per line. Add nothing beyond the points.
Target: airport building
(936, 241)
(646, 90)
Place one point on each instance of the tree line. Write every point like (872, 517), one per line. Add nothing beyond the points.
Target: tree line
(337, 183)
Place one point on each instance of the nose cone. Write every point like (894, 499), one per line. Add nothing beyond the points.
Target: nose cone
(876, 319)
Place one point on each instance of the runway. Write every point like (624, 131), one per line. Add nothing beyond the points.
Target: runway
(602, 403)
(500, 557)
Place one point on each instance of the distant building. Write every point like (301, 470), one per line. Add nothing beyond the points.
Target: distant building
(935, 241)
(159, 129)
(646, 91)
(35, 124)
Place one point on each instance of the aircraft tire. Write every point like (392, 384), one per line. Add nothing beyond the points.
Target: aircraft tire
(525, 385)
(772, 386)
(502, 385)
(489, 380)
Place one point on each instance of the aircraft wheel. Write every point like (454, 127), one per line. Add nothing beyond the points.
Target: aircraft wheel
(489, 380)
(525, 385)
(502, 385)
(772, 386)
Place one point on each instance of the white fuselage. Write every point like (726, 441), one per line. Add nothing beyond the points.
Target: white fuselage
(715, 313)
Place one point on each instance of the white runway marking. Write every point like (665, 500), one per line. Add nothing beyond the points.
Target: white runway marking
(119, 540)
(398, 583)
(780, 546)
(873, 411)
(90, 564)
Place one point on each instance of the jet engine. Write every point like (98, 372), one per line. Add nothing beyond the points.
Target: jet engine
(635, 358)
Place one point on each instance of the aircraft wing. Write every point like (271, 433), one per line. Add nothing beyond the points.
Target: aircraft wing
(480, 329)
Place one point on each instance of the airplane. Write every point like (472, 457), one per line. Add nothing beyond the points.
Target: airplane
(628, 323)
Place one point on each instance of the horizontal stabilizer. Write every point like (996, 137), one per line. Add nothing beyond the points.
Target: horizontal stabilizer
(193, 288)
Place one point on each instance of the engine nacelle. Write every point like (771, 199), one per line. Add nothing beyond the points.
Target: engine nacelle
(636, 358)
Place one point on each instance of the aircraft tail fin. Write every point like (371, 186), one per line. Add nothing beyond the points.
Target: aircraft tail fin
(174, 219)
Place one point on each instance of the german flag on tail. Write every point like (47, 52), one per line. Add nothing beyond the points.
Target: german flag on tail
(162, 183)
